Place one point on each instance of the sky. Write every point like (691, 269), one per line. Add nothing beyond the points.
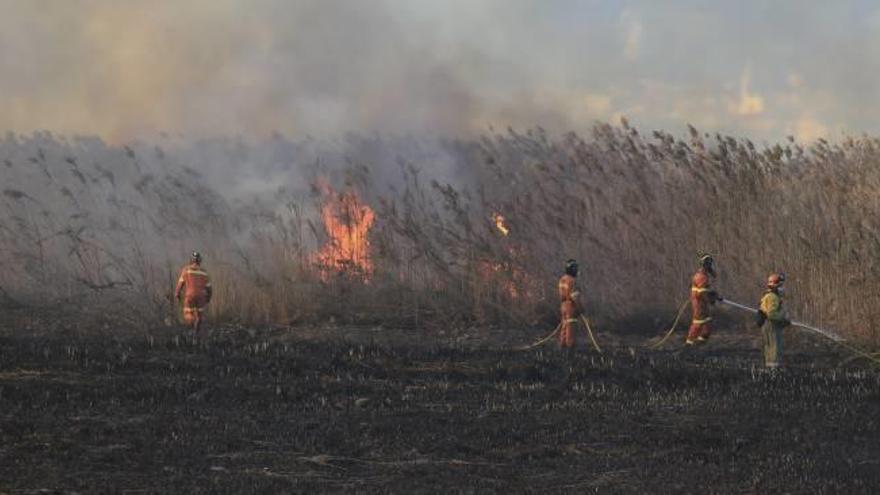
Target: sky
(133, 69)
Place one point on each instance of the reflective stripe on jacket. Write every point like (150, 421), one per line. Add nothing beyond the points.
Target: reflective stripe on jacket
(193, 282)
(700, 290)
(568, 289)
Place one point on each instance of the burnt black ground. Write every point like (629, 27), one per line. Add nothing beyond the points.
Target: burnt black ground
(330, 410)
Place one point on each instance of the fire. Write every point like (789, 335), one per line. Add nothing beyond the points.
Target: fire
(507, 275)
(503, 275)
(499, 224)
(347, 222)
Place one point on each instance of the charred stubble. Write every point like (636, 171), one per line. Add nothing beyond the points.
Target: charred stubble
(256, 410)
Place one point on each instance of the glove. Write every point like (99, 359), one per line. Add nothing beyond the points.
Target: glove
(760, 318)
(786, 323)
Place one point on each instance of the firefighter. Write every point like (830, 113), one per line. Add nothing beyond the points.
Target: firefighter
(772, 319)
(193, 291)
(702, 298)
(569, 307)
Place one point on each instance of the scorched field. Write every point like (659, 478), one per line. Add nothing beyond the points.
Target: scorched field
(90, 407)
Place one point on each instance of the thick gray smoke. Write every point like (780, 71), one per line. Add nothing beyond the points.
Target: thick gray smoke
(205, 68)
(129, 70)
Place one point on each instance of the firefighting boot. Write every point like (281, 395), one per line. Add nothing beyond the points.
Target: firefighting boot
(197, 329)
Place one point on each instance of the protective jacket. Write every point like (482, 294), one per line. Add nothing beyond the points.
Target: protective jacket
(772, 330)
(771, 305)
(194, 290)
(702, 298)
(568, 309)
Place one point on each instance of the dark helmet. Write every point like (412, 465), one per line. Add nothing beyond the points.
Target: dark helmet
(571, 267)
(707, 262)
(705, 259)
(195, 257)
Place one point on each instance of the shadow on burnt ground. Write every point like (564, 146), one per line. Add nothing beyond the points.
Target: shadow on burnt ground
(279, 410)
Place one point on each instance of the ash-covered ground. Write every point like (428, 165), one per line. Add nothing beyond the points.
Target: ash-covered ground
(99, 407)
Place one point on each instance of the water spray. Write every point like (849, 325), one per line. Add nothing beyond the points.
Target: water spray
(837, 339)
(825, 333)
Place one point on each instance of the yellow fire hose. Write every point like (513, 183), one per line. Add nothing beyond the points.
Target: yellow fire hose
(875, 358)
(590, 333)
(674, 325)
(544, 340)
(540, 342)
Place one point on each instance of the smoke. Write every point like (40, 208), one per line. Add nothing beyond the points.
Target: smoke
(208, 67)
(130, 70)
(222, 67)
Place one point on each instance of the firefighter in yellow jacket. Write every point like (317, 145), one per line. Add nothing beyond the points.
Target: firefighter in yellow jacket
(772, 318)
(193, 291)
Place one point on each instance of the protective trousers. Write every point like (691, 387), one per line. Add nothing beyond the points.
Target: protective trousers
(193, 307)
(772, 340)
(568, 316)
(700, 320)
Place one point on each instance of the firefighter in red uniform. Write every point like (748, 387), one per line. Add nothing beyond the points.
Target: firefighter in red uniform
(702, 298)
(194, 291)
(569, 308)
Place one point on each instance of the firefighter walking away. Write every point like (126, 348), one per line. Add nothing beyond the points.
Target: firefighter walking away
(772, 319)
(569, 307)
(702, 298)
(193, 292)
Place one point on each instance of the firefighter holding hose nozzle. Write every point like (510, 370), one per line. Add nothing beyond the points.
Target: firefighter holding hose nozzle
(773, 319)
(702, 298)
(193, 291)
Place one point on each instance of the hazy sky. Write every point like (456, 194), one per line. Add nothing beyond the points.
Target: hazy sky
(132, 68)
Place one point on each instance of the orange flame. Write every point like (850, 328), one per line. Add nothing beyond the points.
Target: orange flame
(347, 222)
(499, 224)
(502, 275)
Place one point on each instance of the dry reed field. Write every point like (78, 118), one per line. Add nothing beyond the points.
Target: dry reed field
(370, 295)
(417, 233)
